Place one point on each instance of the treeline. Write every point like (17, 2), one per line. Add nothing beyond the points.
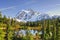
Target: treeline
(50, 28)
(7, 27)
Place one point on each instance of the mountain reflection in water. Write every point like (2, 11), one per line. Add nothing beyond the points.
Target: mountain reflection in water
(24, 32)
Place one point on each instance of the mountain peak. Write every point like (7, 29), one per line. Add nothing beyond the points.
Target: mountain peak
(27, 11)
(31, 15)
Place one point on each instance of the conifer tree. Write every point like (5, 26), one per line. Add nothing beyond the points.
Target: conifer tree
(58, 29)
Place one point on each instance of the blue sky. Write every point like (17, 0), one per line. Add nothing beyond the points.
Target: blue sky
(12, 7)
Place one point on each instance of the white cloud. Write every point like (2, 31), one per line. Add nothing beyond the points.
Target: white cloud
(51, 13)
(7, 8)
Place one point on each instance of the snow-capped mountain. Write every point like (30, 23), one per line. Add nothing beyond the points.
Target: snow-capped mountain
(43, 16)
(55, 16)
(30, 15)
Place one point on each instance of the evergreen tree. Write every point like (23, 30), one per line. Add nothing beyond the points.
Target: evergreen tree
(0, 15)
(58, 29)
(54, 29)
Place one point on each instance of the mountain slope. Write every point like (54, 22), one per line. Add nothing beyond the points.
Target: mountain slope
(30, 15)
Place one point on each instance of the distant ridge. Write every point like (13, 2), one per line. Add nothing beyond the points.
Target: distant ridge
(31, 15)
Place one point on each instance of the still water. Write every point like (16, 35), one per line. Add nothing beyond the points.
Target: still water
(24, 32)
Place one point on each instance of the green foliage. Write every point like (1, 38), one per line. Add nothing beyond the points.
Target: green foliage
(2, 34)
